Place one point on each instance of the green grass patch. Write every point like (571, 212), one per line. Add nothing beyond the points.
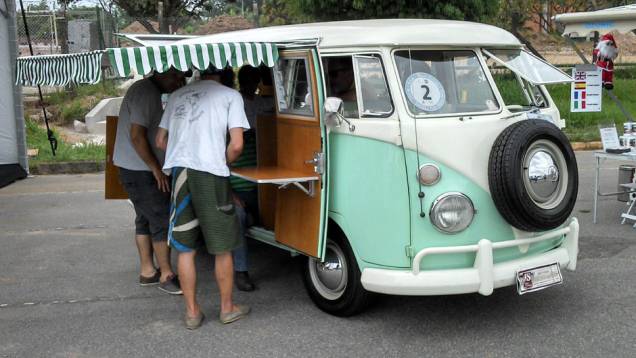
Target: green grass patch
(584, 126)
(581, 127)
(74, 104)
(37, 139)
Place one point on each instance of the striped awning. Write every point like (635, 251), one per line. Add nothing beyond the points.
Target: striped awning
(143, 60)
(60, 70)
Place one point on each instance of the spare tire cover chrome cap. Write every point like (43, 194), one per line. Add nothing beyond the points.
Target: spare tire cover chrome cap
(545, 179)
(543, 174)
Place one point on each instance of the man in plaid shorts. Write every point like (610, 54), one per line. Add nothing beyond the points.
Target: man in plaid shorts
(194, 129)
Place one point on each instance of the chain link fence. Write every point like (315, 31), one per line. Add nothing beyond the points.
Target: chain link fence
(53, 31)
(43, 31)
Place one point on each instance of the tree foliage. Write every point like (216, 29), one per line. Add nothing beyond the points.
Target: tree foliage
(281, 12)
(473, 10)
(174, 13)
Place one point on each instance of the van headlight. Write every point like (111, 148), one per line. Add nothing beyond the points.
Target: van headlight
(452, 212)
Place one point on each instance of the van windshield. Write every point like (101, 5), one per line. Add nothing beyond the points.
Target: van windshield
(444, 82)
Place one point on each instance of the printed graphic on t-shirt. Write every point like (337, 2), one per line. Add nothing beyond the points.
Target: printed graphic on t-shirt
(190, 107)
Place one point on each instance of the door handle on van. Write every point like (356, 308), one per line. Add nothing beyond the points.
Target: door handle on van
(318, 162)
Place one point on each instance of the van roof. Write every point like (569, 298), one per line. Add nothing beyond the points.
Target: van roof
(363, 33)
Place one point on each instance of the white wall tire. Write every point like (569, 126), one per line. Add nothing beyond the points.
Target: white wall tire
(334, 285)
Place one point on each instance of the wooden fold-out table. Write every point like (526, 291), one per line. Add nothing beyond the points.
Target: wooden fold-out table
(282, 177)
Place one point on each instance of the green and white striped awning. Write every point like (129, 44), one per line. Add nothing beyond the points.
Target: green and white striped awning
(143, 60)
(60, 70)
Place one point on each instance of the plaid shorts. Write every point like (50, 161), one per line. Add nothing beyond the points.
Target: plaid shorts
(202, 213)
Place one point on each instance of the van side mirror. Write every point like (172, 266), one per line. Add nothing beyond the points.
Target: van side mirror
(334, 109)
(333, 105)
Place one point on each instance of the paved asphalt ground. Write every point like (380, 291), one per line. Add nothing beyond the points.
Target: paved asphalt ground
(68, 288)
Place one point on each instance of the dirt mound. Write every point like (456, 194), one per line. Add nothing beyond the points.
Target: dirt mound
(558, 50)
(224, 23)
(137, 28)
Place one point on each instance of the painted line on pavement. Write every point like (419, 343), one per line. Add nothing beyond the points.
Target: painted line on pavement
(82, 300)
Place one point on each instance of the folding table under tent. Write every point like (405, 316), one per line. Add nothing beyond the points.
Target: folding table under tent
(86, 68)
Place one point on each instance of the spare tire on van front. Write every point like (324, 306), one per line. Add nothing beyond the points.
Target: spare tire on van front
(533, 175)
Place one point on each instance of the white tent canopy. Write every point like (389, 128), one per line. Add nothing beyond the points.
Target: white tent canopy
(582, 24)
(13, 154)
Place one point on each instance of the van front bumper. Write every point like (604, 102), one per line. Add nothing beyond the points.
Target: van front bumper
(483, 277)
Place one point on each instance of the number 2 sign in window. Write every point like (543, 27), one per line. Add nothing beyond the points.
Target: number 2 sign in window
(425, 92)
(444, 81)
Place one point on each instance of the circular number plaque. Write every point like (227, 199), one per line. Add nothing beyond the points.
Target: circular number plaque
(425, 91)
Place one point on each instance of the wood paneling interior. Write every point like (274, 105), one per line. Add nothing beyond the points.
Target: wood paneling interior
(297, 214)
(112, 187)
(266, 157)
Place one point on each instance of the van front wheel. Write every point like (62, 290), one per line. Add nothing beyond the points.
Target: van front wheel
(334, 285)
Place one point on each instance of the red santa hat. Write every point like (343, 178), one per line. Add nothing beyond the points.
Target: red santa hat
(609, 37)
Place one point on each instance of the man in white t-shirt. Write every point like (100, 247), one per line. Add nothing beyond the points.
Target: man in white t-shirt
(193, 130)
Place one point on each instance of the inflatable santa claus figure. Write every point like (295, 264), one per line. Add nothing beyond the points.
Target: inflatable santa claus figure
(604, 55)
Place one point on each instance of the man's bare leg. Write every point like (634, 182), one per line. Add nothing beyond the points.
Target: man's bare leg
(188, 280)
(162, 254)
(144, 246)
(224, 273)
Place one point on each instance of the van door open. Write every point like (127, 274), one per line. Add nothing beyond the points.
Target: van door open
(291, 166)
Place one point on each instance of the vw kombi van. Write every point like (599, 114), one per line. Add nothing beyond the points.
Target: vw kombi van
(412, 157)
(405, 157)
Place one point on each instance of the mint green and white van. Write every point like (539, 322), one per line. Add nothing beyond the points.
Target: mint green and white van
(412, 157)
(405, 157)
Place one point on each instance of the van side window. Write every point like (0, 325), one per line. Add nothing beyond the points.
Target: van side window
(293, 86)
(340, 80)
(374, 91)
(444, 82)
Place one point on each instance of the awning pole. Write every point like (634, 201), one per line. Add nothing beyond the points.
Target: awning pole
(49, 132)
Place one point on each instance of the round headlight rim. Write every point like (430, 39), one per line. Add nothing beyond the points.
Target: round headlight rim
(439, 172)
(444, 196)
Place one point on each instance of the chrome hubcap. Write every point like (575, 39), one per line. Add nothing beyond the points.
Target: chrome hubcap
(545, 174)
(330, 277)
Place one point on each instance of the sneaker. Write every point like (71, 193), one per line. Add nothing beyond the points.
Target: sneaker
(243, 281)
(194, 323)
(230, 317)
(150, 281)
(171, 286)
